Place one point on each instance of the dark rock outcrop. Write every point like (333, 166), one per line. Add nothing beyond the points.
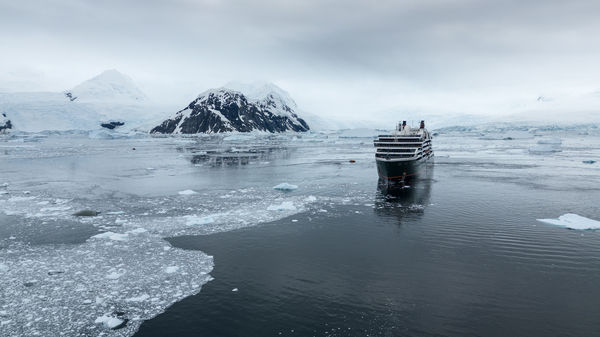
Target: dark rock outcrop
(5, 124)
(111, 125)
(225, 110)
(70, 96)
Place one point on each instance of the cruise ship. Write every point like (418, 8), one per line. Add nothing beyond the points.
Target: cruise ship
(403, 154)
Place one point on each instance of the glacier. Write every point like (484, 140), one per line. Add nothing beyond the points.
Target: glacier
(110, 96)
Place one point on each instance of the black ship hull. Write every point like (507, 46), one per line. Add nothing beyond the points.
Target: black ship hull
(402, 170)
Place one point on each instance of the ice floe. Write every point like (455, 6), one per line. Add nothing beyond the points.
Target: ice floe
(310, 198)
(187, 192)
(99, 287)
(109, 321)
(123, 268)
(573, 221)
(285, 187)
(193, 220)
(545, 148)
(554, 141)
(284, 206)
(111, 236)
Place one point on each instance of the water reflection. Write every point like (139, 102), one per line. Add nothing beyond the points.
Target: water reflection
(228, 158)
(399, 198)
(217, 155)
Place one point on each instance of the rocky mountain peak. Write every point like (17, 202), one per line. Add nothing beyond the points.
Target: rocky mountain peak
(226, 110)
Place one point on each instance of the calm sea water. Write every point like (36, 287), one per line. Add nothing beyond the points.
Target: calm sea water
(459, 253)
(472, 261)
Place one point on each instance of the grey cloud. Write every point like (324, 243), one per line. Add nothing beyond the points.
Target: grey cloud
(446, 45)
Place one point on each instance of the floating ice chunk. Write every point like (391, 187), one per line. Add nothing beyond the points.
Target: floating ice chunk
(572, 221)
(187, 192)
(171, 269)
(239, 136)
(137, 231)
(109, 321)
(234, 289)
(111, 236)
(113, 275)
(19, 199)
(555, 141)
(310, 198)
(140, 298)
(416, 207)
(545, 148)
(509, 135)
(193, 220)
(115, 213)
(285, 187)
(284, 206)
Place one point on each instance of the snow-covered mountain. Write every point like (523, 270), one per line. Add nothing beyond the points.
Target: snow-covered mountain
(260, 90)
(225, 109)
(111, 86)
(110, 96)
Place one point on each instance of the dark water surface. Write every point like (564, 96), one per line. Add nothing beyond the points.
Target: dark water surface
(470, 261)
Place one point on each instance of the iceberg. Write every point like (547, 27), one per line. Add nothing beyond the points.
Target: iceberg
(546, 146)
(187, 192)
(285, 187)
(109, 321)
(573, 221)
(111, 236)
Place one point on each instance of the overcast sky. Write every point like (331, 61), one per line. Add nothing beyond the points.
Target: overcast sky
(348, 57)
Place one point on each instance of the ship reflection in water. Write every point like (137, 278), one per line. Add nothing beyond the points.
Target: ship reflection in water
(396, 198)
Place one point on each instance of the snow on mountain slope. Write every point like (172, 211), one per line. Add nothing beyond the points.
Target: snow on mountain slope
(110, 96)
(560, 108)
(109, 85)
(226, 110)
(275, 99)
(261, 90)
